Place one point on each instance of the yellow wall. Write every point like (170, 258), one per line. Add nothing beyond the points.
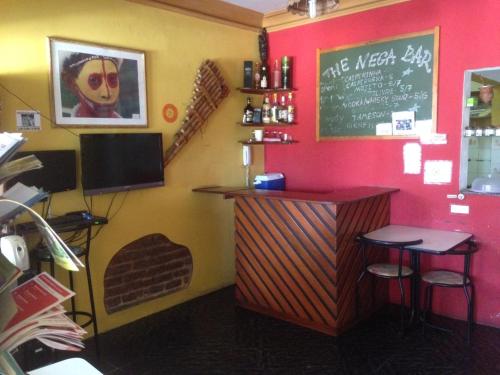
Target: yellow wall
(175, 46)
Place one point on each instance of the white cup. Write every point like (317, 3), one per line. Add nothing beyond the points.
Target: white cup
(258, 135)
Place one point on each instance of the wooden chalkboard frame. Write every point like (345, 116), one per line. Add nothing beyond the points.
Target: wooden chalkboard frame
(319, 52)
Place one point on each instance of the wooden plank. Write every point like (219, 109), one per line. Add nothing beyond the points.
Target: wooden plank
(213, 10)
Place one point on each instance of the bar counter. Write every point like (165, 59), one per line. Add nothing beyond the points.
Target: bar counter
(296, 258)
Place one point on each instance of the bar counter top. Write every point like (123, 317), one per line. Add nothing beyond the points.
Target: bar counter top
(337, 196)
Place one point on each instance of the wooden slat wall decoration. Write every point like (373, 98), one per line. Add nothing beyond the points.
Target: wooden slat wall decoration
(297, 260)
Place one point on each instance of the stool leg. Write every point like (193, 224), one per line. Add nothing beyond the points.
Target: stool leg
(361, 276)
(428, 301)
(71, 286)
(402, 307)
(92, 306)
(469, 311)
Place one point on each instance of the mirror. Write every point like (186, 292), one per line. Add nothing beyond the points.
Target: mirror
(480, 156)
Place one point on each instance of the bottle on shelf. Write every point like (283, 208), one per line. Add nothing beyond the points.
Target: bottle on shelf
(266, 110)
(256, 76)
(248, 112)
(290, 109)
(264, 77)
(282, 110)
(286, 72)
(276, 75)
(275, 109)
(489, 131)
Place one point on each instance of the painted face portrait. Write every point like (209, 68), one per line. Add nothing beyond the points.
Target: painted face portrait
(486, 94)
(95, 81)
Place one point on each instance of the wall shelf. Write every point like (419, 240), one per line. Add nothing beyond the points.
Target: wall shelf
(249, 142)
(248, 90)
(271, 125)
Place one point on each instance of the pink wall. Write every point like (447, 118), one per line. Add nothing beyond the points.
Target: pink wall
(469, 39)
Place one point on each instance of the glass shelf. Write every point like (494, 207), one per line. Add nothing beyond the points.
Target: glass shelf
(248, 90)
(248, 142)
(272, 124)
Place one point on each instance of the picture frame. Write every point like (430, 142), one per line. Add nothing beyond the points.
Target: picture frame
(95, 85)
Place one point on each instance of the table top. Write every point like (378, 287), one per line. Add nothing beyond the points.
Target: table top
(73, 366)
(433, 240)
(337, 196)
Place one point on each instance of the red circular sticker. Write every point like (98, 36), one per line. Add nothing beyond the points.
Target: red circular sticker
(170, 112)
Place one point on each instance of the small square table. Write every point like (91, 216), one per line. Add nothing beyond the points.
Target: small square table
(434, 241)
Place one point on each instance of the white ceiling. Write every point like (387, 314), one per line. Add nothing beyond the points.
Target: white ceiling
(262, 6)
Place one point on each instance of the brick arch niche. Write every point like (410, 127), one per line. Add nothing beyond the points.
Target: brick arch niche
(147, 268)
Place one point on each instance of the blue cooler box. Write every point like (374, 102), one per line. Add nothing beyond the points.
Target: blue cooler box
(270, 181)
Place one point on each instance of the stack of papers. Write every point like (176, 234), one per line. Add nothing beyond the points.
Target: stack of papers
(32, 310)
(15, 167)
(19, 193)
(40, 316)
(9, 144)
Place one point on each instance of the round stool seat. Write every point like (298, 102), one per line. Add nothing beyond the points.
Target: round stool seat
(449, 278)
(388, 270)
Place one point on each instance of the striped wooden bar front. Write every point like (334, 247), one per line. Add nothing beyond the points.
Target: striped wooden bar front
(296, 258)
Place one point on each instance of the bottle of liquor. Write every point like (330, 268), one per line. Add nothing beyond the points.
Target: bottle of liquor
(282, 110)
(290, 109)
(264, 77)
(248, 112)
(266, 110)
(256, 76)
(275, 109)
(286, 72)
(276, 75)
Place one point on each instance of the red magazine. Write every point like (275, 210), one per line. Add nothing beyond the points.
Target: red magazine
(36, 296)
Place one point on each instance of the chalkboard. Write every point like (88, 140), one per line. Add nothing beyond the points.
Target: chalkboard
(360, 86)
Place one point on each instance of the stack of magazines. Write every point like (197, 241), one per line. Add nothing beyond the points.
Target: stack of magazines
(33, 309)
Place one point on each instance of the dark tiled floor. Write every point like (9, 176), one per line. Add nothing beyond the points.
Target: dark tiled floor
(210, 335)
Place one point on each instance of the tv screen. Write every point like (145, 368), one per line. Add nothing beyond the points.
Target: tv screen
(58, 173)
(120, 162)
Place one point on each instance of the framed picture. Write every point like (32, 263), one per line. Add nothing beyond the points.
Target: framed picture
(97, 86)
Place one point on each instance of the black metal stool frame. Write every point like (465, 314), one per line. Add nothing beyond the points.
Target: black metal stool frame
(74, 313)
(364, 242)
(467, 286)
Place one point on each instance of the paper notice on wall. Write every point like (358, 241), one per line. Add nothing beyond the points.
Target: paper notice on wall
(412, 156)
(384, 129)
(28, 121)
(403, 123)
(437, 172)
(423, 127)
(433, 139)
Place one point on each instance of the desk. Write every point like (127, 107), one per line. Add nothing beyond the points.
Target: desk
(434, 241)
(64, 223)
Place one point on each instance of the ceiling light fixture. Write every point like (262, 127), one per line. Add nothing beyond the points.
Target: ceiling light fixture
(312, 7)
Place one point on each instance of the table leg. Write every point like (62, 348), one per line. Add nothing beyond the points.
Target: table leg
(415, 286)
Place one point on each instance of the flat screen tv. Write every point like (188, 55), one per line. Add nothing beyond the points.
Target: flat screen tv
(58, 173)
(121, 162)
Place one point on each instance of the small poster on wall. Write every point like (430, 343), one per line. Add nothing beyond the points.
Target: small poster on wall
(28, 121)
(437, 172)
(403, 123)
